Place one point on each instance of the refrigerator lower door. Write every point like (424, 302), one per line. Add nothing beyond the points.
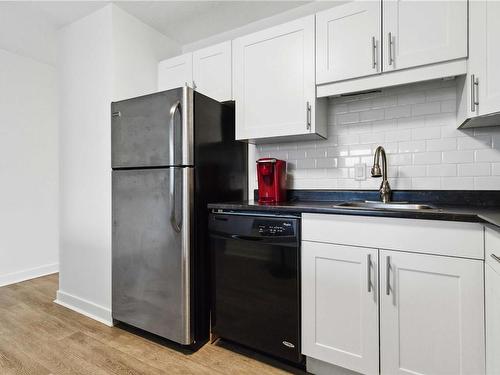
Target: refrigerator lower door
(152, 226)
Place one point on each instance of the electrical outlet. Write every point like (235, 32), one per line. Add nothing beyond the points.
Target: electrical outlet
(360, 172)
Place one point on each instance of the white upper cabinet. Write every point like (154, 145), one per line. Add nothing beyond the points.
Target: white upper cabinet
(175, 72)
(368, 45)
(431, 315)
(348, 43)
(480, 89)
(340, 305)
(274, 83)
(212, 71)
(423, 32)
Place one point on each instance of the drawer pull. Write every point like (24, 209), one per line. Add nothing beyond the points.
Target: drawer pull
(497, 258)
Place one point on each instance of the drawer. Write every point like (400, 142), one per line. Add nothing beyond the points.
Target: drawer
(449, 238)
(492, 248)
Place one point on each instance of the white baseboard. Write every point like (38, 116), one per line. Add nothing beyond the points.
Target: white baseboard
(84, 307)
(32, 273)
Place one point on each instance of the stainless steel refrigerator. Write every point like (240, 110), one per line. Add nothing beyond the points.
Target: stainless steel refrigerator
(172, 153)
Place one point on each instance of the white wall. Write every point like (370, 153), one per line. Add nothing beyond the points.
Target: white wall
(85, 68)
(137, 50)
(105, 56)
(25, 33)
(28, 167)
(417, 126)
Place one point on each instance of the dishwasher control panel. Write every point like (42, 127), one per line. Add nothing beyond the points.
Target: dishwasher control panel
(274, 227)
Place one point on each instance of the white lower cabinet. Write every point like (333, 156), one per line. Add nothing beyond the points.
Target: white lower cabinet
(340, 305)
(492, 280)
(431, 314)
(395, 312)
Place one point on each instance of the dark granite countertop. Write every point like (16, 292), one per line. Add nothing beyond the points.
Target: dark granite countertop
(480, 207)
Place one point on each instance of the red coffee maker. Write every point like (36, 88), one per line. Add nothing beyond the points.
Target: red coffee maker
(271, 175)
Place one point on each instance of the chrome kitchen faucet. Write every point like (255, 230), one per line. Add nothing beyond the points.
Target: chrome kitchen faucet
(385, 188)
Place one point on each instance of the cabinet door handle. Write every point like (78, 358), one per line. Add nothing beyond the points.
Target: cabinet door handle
(391, 58)
(374, 53)
(388, 276)
(474, 84)
(308, 116)
(496, 257)
(369, 272)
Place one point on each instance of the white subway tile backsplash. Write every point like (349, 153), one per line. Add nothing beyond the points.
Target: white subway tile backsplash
(426, 133)
(474, 169)
(416, 124)
(443, 170)
(349, 161)
(420, 109)
(412, 171)
(399, 159)
(306, 164)
(362, 105)
(458, 157)
(297, 154)
(425, 158)
(449, 106)
(487, 183)
(443, 144)
(372, 115)
(398, 135)
(360, 150)
(411, 98)
(426, 183)
(316, 153)
(347, 118)
(372, 138)
(412, 146)
(495, 169)
(474, 143)
(488, 155)
(457, 183)
(327, 163)
(398, 112)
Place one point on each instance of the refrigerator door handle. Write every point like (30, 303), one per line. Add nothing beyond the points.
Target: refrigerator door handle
(175, 107)
(177, 225)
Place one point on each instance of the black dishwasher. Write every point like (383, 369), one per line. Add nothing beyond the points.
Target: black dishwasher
(256, 281)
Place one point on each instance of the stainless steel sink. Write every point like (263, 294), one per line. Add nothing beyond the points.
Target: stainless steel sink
(385, 206)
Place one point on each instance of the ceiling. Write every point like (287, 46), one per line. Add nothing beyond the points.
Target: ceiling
(29, 28)
(183, 21)
(189, 21)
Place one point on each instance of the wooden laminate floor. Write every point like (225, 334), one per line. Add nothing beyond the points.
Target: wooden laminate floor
(40, 337)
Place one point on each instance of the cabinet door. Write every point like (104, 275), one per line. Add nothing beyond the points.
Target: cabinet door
(431, 314)
(212, 71)
(274, 81)
(485, 54)
(492, 321)
(348, 41)
(423, 32)
(340, 305)
(175, 72)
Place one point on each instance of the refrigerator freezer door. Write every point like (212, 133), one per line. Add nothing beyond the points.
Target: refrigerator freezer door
(153, 130)
(152, 226)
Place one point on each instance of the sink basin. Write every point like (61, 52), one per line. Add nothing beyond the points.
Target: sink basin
(385, 206)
